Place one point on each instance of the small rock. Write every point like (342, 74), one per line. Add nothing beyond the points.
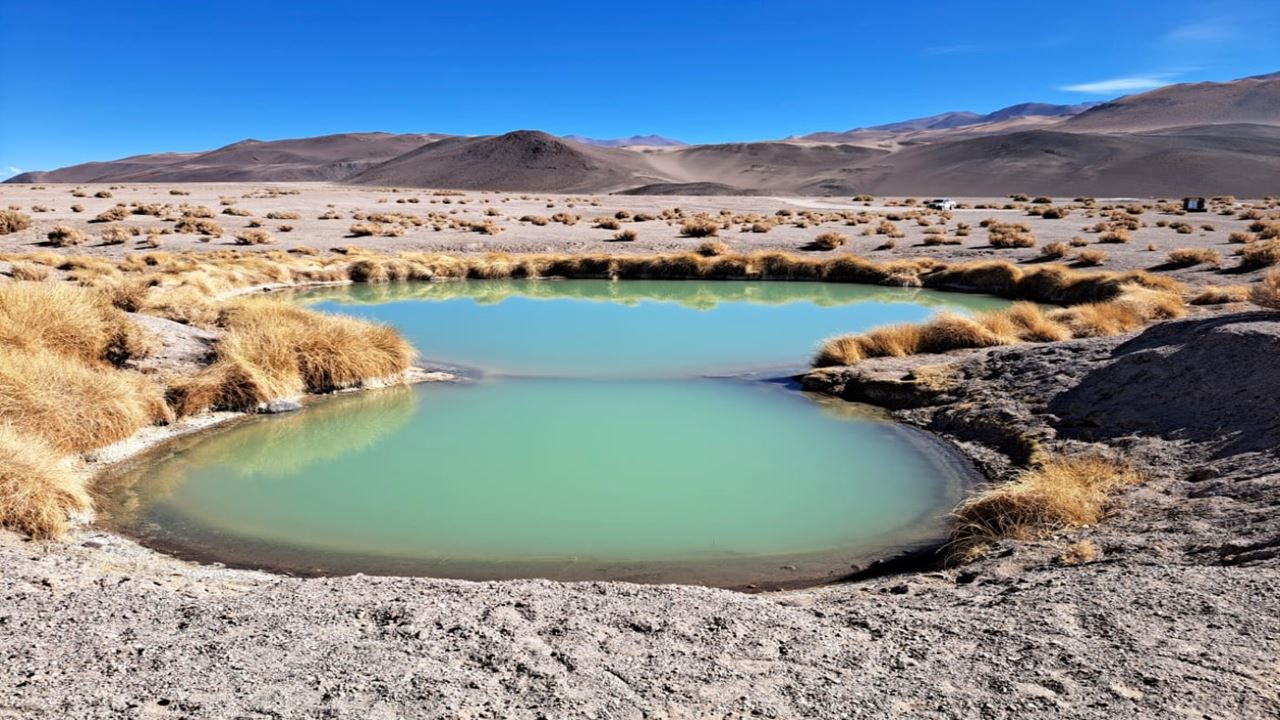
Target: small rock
(282, 405)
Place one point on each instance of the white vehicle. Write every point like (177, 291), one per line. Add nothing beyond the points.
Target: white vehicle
(942, 204)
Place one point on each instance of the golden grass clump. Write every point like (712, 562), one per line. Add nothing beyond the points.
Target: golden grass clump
(1260, 254)
(627, 235)
(1267, 292)
(1221, 295)
(1021, 322)
(1060, 493)
(74, 405)
(1080, 553)
(1187, 257)
(67, 319)
(1091, 258)
(700, 227)
(66, 236)
(1010, 235)
(713, 248)
(112, 214)
(12, 221)
(37, 494)
(253, 236)
(197, 226)
(273, 349)
(283, 215)
(21, 270)
(828, 241)
(115, 235)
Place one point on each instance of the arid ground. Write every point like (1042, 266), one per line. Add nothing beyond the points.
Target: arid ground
(1148, 247)
(1169, 607)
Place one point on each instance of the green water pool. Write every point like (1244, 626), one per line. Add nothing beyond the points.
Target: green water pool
(612, 458)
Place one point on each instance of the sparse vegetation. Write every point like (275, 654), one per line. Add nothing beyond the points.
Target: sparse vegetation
(1187, 257)
(1060, 493)
(65, 236)
(11, 221)
(253, 236)
(829, 241)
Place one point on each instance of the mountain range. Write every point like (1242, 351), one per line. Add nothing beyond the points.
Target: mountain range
(1200, 138)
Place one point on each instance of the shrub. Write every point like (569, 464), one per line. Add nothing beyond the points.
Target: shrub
(254, 237)
(236, 211)
(12, 221)
(112, 214)
(1010, 235)
(1118, 235)
(280, 215)
(1186, 257)
(65, 236)
(712, 248)
(77, 208)
(71, 404)
(1055, 250)
(607, 223)
(20, 270)
(114, 235)
(627, 235)
(330, 214)
(1267, 292)
(66, 319)
(197, 226)
(1091, 258)
(700, 227)
(37, 494)
(1260, 254)
(538, 220)
(828, 241)
(1241, 238)
(1060, 493)
(1221, 294)
(1055, 213)
(274, 349)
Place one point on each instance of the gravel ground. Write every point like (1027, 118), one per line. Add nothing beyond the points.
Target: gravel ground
(1179, 617)
(313, 199)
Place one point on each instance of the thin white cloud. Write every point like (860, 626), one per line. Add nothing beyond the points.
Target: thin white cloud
(1205, 32)
(1119, 85)
(15, 171)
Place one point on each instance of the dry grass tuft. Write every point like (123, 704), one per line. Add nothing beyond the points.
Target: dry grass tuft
(713, 248)
(67, 319)
(11, 221)
(1260, 254)
(1221, 295)
(1080, 553)
(1267, 292)
(700, 227)
(65, 236)
(252, 236)
(828, 241)
(74, 405)
(37, 494)
(273, 349)
(1060, 493)
(1187, 257)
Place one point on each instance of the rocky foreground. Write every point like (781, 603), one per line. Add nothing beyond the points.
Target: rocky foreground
(1178, 617)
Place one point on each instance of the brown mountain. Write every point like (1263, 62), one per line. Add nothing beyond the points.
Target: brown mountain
(1204, 138)
(520, 160)
(1254, 100)
(327, 157)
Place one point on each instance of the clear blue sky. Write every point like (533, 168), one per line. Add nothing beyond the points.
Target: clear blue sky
(99, 80)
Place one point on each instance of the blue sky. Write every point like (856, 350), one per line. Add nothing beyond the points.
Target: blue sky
(100, 80)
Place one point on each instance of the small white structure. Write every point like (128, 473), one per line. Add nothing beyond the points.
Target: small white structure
(1194, 204)
(942, 204)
